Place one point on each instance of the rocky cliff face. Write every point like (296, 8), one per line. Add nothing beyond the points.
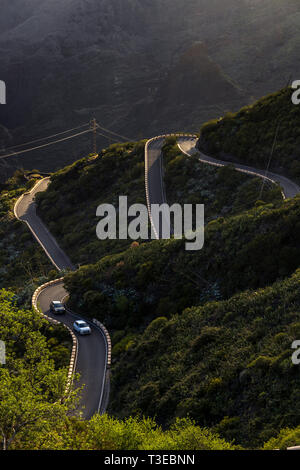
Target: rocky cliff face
(136, 65)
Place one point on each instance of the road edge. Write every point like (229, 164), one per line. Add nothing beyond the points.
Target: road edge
(24, 221)
(159, 137)
(74, 353)
(240, 170)
(75, 345)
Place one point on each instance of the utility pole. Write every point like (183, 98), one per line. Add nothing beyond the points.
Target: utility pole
(94, 128)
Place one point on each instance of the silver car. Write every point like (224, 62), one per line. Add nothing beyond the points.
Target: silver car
(57, 307)
(82, 327)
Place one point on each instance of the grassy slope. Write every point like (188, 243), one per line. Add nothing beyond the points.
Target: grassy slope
(23, 267)
(69, 205)
(128, 290)
(158, 279)
(248, 135)
(223, 191)
(37, 357)
(226, 364)
(249, 250)
(20, 326)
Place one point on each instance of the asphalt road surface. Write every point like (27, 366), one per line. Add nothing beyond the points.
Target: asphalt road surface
(290, 189)
(187, 144)
(91, 361)
(156, 187)
(92, 349)
(91, 358)
(25, 210)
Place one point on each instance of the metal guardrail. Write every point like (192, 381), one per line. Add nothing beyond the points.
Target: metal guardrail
(241, 170)
(74, 353)
(160, 137)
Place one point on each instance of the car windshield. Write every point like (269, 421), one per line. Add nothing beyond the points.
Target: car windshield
(82, 324)
(57, 304)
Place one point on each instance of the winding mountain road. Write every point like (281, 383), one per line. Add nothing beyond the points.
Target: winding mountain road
(155, 192)
(25, 210)
(289, 189)
(92, 350)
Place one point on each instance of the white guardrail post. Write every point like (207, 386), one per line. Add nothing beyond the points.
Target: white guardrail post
(73, 359)
(34, 301)
(108, 340)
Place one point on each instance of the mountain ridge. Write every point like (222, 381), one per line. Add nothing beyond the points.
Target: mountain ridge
(68, 61)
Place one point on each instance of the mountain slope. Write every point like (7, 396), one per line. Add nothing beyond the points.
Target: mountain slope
(65, 62)
(77, 191)
(195, 87)
(32, 382)
(249, 250)
(266, 134)
(226, 364)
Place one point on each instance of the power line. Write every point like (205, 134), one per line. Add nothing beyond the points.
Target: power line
(271, 156)
(13, 154)
(114, 133)
(93, 128)
(46, 138)
(279, 120)
(107, 137)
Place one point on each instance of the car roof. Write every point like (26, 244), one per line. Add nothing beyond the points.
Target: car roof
(81, 322)
(56, 302)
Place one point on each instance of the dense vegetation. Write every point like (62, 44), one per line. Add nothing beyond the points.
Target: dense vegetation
(192, 336)
(34, 376)
(32, 382)
(69, 205)
(248, 135)
(227, 365)
(285, 439)
(223, 191)
(235, 352)
(33, 379)
(249, 250)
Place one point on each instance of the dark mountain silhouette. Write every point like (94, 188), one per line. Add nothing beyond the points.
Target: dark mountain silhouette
(136, 65)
